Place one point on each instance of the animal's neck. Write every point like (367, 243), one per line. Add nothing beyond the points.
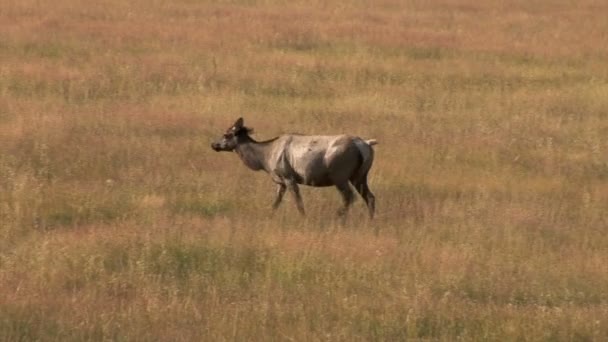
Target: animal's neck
(253, 154)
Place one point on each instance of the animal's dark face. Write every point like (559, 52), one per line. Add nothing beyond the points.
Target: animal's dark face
(230, 139)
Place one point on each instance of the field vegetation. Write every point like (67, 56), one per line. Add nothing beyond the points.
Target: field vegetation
(118, 222)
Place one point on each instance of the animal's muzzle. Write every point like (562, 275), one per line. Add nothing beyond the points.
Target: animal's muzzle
(216, 147)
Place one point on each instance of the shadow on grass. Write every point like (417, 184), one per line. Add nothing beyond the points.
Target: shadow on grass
(199, 206)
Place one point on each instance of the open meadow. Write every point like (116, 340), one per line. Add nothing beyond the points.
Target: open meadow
(118, 221)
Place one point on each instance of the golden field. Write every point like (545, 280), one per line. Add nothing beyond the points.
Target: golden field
(118, 222)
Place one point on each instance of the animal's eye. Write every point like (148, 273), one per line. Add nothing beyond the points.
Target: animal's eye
(228, 135)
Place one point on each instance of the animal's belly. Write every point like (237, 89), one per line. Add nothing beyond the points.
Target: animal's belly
(312, 171)
(318, 182)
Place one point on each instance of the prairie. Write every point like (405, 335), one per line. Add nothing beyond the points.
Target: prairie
(118, 222)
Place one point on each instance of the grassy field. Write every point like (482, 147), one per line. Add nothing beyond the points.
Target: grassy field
(118, 222)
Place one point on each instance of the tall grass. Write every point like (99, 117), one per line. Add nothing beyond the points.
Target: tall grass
(117, 221)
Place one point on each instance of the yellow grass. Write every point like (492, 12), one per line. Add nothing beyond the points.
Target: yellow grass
(118, 222)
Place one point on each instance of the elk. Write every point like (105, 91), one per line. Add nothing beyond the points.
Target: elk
(313, 160)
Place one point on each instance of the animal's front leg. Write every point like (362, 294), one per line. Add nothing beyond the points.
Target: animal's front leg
(280, 192)
(295, 190)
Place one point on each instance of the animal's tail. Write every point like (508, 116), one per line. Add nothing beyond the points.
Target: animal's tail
(371, 142)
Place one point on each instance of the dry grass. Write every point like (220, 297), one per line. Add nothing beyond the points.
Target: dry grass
(118, 222)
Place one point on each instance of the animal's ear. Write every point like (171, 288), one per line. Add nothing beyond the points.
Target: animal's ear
(238, 124)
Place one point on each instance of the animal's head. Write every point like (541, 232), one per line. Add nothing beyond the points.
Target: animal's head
(235, 134)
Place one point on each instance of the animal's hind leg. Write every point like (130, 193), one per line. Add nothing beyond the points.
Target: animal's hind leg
(368, 196)
(347, 195)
